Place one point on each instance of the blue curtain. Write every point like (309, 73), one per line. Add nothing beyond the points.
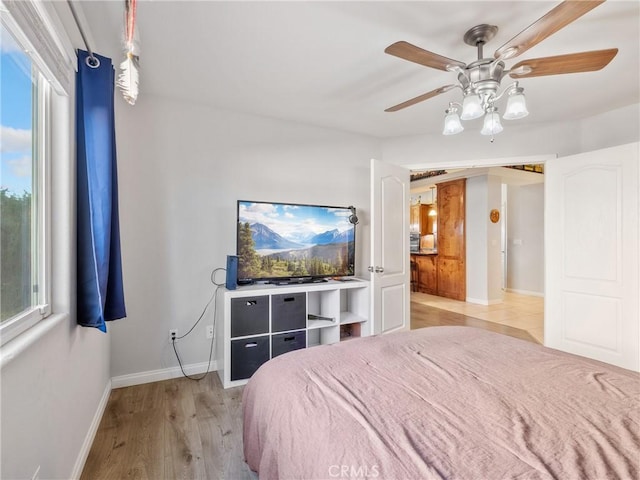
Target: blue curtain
(99, 269)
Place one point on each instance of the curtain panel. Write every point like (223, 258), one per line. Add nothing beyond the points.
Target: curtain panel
(99, 267)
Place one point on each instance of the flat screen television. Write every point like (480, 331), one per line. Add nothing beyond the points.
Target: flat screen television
(294, 242)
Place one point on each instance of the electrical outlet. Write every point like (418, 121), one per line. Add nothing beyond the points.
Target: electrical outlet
(209, 331)
(173, 333)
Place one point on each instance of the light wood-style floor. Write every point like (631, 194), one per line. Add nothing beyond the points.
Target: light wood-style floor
(523, 312)
(182, 429)
(176, 429)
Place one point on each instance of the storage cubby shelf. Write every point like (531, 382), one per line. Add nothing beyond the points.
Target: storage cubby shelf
(261, 321)
(311, 324)
(350, 317)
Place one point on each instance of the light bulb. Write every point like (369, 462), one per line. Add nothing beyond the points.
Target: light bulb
(492, 123)
(516, 106)
(471, 107)
(452, 123)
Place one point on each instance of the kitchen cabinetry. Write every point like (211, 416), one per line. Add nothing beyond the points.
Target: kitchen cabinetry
(427, 273)
(420, 220)
(451, 240)
(442, 270)
(262, 321)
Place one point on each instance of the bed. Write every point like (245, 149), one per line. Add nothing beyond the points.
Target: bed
(441, 403)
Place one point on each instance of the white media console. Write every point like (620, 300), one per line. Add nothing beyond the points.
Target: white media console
(262, 321)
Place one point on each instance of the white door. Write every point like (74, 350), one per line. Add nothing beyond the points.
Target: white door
(389, 265)
(592, 253)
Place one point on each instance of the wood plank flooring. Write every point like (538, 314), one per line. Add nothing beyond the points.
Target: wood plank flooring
(427, 316)
(182, 429)
(176, 429)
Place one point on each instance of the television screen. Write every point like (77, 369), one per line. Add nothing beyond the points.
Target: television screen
(293, 241)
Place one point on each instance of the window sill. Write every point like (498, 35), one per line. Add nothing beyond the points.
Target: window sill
(22, 342)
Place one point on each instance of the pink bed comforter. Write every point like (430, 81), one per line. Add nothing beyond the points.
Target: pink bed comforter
(441, 403)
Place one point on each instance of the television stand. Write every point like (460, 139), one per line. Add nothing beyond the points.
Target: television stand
(259, 322)
(298, 281)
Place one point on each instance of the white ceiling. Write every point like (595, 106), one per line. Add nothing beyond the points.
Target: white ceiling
(323, 63)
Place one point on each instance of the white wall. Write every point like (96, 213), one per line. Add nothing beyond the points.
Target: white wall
(476, 238)
(616, 127)
(494, 248)
(182, 167)
(525, 238)
(484, 265)
(468, 148)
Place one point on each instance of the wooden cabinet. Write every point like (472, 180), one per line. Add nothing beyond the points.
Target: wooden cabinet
(451, 267)
(427, 273)
(419, 219)
(444, 273)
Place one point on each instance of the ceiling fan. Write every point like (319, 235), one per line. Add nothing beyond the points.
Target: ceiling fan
(480, 80)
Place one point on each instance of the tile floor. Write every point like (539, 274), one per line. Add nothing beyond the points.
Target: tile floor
(519, 311)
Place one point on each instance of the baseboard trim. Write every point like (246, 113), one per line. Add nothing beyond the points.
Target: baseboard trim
(91, 434)
(525, 292)
(162, 374)
(483, 301)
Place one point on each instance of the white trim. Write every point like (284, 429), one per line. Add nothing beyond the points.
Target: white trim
(91, 434)
(32, 25)
(20, 323)
(483, 301)
(161, 374)
(15, 347)
(486, 162)
(43, 233)
(525, 292)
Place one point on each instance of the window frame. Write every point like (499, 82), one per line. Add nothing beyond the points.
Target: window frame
(41, 200)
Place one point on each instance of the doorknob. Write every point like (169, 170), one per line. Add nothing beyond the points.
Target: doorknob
(379, 269)
(370, 268)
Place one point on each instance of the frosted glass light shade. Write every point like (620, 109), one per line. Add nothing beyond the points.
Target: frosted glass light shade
(471, 107)
(452, 124)
(516, 107)
(491, 124)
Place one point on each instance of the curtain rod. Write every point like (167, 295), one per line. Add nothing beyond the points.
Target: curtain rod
(92, 61)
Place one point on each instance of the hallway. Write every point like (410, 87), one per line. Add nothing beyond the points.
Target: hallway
(521, 316)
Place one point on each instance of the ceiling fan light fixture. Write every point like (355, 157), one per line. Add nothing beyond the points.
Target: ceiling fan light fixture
(516, 105)
(492, 125)
(480, 81)
(471, 107)
(452, 124)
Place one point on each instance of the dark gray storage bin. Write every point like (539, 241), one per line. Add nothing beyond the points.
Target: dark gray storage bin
(288, 312)
(288, 342)
(249, 316)
(247, 355)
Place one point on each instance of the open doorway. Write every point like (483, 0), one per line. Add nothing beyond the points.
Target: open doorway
(507, 256)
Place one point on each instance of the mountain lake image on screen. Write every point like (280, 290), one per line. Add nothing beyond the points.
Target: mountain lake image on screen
(292, 241)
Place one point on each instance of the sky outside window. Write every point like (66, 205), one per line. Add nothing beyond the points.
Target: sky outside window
(18, 234)
(15, 117)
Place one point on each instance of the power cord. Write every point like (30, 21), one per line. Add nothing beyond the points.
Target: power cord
(213, 299)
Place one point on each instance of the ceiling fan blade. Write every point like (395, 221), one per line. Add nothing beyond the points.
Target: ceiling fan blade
(420, 98)
(557, 18)
(415, 54)
(571, 63)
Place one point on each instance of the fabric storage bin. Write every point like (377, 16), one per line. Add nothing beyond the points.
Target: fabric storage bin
(288, 312)
(288, 342)
(247, 355)
(249, 316)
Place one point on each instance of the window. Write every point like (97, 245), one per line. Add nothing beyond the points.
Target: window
(24, 245)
